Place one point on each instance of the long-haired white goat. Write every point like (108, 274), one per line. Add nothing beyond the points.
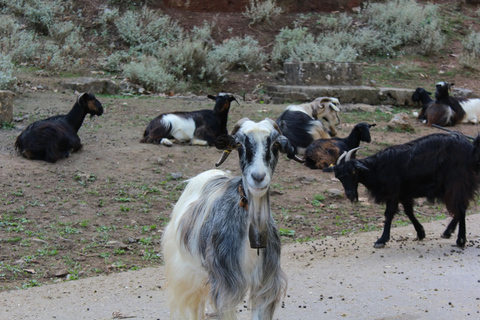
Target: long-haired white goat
(222, 240)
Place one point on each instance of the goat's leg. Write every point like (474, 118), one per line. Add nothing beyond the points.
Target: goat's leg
(450, 229)
(462, 230)
(408, 208)
(458, 210)
(392, 208)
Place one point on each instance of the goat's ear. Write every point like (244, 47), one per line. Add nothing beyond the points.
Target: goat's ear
(212, 97)
(286, 146)
(361, 166)
(225, 142)
(334, 107)
(372, 125)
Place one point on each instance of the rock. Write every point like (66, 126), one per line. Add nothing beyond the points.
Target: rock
(93, 85)
(322, 73)
(6, 106)
(335, 192)
(358, 107)
(176, 175)
(60, 273)
(306, 179)
(400, 121)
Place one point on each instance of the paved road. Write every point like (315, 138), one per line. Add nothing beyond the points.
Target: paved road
(342, 278)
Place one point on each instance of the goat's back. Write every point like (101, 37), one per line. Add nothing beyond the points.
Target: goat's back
(296, 125)
(426, 167)
(50, 139)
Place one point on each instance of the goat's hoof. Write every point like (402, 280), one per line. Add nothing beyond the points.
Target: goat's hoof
(461, 243)
(445, 235)
(421, 236)
(379, 245)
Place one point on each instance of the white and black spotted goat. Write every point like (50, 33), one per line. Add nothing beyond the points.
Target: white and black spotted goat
(302, 124)
(199, 127)
(222, 241)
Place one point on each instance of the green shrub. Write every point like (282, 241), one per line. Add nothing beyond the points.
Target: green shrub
(288, 42)
(237, 53)
(116, 60)
(108, 16)
(335, 23)
(298, 44)
(147, 30)
(39, 13)
(470, 56)
(150, 73)
(184, 58)
(20, 45)
(260, 11)
(404, 25)
(7, 69)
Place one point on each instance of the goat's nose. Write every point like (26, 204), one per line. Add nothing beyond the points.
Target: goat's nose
(258, 176)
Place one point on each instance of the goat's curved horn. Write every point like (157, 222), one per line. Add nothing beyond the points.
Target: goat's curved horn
(238, 125)
(341, 157)
(274, 124)
(79, 96)
(350, 153)
(226, 153)
(224, 157)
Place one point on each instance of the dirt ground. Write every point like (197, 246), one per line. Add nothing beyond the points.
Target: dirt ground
(102, 211)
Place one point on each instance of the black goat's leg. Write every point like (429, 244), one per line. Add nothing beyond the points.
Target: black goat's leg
(408, 208)
(392, 208)
(462, 230)
(450, 229)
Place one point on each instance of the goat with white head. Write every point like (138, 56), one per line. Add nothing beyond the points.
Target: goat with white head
(326, 108)
(222, 240)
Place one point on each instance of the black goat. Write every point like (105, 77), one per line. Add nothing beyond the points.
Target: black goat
(56, 137)
(445, 110)
(422, 96)
(200, 127)
(443, 167)
(322, 153)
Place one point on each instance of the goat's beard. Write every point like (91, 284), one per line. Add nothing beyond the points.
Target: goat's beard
(258, 215)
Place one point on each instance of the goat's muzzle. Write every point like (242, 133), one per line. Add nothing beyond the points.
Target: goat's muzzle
(352, 195)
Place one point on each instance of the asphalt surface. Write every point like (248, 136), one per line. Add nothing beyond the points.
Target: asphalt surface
(344, 278)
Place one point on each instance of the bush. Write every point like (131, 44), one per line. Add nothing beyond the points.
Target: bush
(400, 24)
(147, 31)
(40, 13)
(288, 42)
(261, 11)
(238, 53)
(470, 56)
(150, 73)
(7, 69)
(298, 44)
(20, 45)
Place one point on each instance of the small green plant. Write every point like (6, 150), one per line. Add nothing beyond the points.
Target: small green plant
(286, 232)
(150, 255)
(318, 199)
(6, 125)
(262, 11)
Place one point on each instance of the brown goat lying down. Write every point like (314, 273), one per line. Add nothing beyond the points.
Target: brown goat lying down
(56, 137)
(323, 153)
